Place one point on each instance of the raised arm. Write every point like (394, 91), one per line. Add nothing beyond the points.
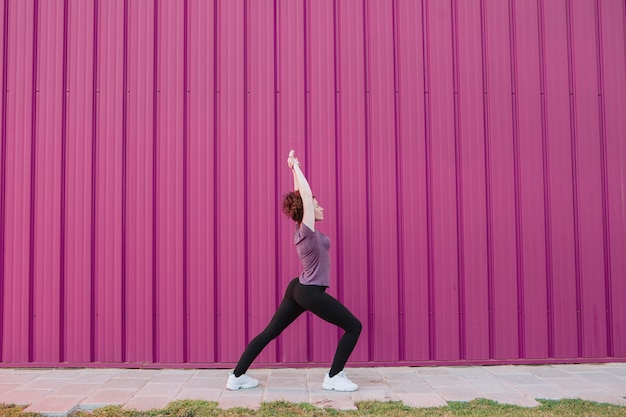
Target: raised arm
(301, 184)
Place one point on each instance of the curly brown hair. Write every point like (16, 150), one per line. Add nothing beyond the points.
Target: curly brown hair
(292, 206)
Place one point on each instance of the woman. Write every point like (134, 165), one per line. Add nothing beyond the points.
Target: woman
(307, 292)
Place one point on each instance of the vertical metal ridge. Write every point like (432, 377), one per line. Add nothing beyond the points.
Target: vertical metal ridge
(33, 161)
(368, 214)
(488, 196)
(246, 199)
(459, 183)
(124, 330)
(547, 206)
(94, 173)
(62, 234)
(277, 280)
(155, 158)
(574, 159)
(3, 155)
(399, 183)
(216, 297)
(519, 238)
(186, 341)
(337, 129)
(432, 331)
(608, 278)
(307, 156)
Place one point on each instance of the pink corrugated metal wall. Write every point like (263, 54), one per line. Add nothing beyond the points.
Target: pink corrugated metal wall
(470, 155)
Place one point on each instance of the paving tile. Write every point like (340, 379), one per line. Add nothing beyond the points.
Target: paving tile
(102, 397)
(573, 383)
(432, 370)
(459, 393)
(515, 399)
(64, 373)
(337, 402)
(96, 376)
(364, 372)
(506, 369)
(423, 400)
(159, 389)
(288, 373)
(420, 387)
(600, 397)
(437, 381)
(71, 389)
(578, 367)
(399, 374)
(251, 399)
(211, 373)
(7, 387)
(138, 373)
(196, 382)
(125, 383)
(23, 396)
(19, 377)
(147, 403)
(206, 394)
(497, 386)
(544, 391)
(52, 406)
(471, 372)
(286, 382)
(517, 379)
(376, 394)
(45, 383)
(171, 378)
(545, 371)
(295, 396)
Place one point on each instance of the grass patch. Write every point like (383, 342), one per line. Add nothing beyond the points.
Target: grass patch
(476, 408)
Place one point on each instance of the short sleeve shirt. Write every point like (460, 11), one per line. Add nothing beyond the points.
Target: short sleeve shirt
(312, 247)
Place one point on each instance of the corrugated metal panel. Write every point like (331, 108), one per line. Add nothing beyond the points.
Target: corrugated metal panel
(469, 154)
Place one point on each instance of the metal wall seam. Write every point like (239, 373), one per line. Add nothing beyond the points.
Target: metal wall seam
(94, 172)
(460, 226)
(339, 189)
(246, 128)
(574, 138)
(547, 206)
(185, 203)
(307, 134)
(124, 189)
(488, 185)
(3, 159)
(277, 163)
(604, 178)
(429, 180)
(367, 139)
(156, 354)
(216, 119)
(63, 234)
(516, 175)
(33, 160)
(400, 259)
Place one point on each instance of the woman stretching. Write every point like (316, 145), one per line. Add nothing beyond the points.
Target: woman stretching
(306, 292)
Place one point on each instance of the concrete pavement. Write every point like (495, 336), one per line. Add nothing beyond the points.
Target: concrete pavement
(58, 392)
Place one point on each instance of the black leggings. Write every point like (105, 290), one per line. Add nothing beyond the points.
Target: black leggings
(299, 298)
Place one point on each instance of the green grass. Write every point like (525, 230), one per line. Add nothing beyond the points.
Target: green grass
(479, 407)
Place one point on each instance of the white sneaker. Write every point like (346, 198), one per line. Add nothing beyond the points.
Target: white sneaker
(339, 382)
(244, 381)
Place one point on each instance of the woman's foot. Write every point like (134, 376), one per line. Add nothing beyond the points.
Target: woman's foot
(243, 381)
(339, 382)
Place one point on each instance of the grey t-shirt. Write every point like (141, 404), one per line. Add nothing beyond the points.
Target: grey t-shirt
(312, 247)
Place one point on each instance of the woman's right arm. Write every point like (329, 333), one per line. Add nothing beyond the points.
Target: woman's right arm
(301, 184)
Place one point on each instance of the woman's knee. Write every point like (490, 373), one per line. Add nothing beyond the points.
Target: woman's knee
(355, 326)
